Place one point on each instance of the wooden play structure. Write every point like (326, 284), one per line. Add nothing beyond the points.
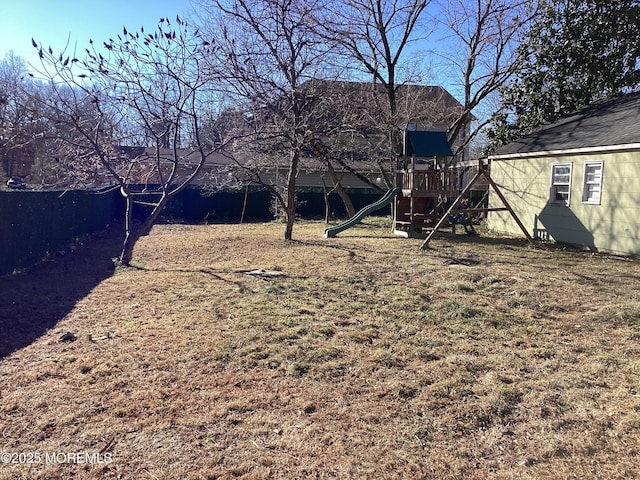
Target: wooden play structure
(426, 181)
(430, 192)
(426, 190)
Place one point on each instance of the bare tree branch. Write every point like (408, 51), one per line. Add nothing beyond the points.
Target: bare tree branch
(136, 82)
(267, 52)
(482, 38)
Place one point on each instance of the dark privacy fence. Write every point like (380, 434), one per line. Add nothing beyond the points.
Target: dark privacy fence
(195, 205)
(35, 223)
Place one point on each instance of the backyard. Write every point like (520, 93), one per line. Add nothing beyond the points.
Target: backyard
(226, 352)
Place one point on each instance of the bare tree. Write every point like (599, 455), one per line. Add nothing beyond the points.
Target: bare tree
(266, 51)
(21, 125)
(132, 83)
(376, 34)
(481, 39)
(478, 44)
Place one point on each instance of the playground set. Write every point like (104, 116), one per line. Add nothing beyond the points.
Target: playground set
(427, 194)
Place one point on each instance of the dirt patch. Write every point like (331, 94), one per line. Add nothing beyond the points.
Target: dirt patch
(356, 357)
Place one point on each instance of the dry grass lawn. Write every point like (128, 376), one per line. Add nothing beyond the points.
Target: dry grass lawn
(364, 357)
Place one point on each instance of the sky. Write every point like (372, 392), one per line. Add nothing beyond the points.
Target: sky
(54, 22)
(58, 22)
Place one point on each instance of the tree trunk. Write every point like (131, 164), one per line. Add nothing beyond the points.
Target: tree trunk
(127, 245)
(344, 196)
(348, 204)
(132, 235)
(290, 208)
(327, 210)
(290, 215)
(244, 203)
(130, 239)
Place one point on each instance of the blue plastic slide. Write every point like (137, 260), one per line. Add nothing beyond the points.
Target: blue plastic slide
(357, 218)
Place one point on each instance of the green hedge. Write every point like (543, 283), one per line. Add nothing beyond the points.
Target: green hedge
(36, 223)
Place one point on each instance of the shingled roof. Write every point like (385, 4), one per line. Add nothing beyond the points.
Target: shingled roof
(608, 124)
(423, 104)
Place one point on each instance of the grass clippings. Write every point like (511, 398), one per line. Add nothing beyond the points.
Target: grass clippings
(354, 357)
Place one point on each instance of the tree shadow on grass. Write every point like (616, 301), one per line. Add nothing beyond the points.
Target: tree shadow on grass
(34, 301)
(483, 239)
(204, 270)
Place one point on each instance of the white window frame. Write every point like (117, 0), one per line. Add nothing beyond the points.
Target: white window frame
(553, 198)
(591, 185)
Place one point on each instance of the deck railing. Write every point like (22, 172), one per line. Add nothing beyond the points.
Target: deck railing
(436, 181)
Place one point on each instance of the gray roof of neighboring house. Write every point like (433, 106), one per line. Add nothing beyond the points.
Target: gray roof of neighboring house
(187, 157)
(609, 123)
(223, 162)
(426, 104)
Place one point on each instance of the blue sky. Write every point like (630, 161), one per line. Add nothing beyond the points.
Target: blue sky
(52, 22)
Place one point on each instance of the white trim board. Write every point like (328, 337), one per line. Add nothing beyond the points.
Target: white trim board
(568, 151)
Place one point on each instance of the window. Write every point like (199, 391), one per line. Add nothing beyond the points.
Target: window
(592, 188)
(560, 183)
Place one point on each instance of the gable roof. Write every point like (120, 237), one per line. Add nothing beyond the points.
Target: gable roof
(424, 104)
(607, 125)
(142, 165)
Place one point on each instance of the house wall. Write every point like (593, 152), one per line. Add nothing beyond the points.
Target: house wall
(311, 178)
(315, 178)
(612, 226)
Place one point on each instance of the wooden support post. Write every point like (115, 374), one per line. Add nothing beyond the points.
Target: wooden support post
(412, 215)
(444, 217)
(508, 207)
(481, 172)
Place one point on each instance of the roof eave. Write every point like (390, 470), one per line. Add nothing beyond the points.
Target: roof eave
(567, 151)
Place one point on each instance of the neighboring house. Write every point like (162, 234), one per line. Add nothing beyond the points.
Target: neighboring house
(434, 109)
(222, 170)
(143, 166)
(576, 181)
(222, 186)
(17, 154)
(429, 166)
(349, 118)
(16, 162)
(313, 175)
(363, 107)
